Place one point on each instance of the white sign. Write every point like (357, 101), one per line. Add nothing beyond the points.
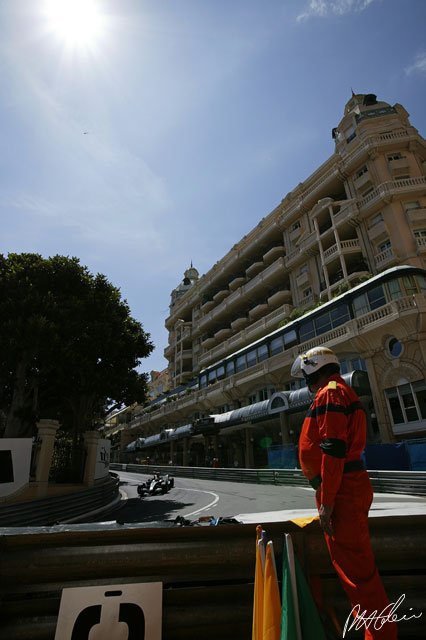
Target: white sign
(115, 612)
(102, 459)
(15, 461)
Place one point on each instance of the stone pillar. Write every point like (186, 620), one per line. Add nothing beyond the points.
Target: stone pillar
(382, 419)
(46, 432)
(185, 452)
(91, 439)
(285, 432)
(249, 449)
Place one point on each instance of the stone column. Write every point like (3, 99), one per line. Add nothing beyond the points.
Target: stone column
(91, 439)
(249, 449)
(285, 433)
(382, 419)
(185, 452)
(46, 432)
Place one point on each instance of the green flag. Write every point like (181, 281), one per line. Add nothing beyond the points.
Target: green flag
(300, 617)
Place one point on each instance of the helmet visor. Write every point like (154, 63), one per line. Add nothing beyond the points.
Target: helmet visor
(296, 370)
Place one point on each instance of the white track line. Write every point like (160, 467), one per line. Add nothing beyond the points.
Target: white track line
(215, 501)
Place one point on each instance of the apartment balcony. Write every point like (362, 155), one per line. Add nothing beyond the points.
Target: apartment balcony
(169, 350)
(222, 334)
(208, 340)
(273, 273)
(293, 258)
(278, 297)
(346, 246)
(254, 268)
(376, 231)
(363, 181)
(258, 310)
(221, 295)
(302, 279)
(417, 216)
(309, 244)
(294, 234)
(255, 330)
(185, 354)
(421, 245)
(412, 187)
(308, 301)
(348, 213)
(272, 253)
(207, 305)
(239, 322)
(399, 166)
(236, 282)
(385, 258)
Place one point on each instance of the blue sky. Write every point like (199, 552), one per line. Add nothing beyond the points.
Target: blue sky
(201, 115)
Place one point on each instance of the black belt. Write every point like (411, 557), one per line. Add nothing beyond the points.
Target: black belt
(352, 465)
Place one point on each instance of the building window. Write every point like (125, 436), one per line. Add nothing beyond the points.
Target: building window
(394, 347)
(263, 395)
(369, 301)
(375, 220)
(276, 346)
(307, 292)
(304, 269)
(252, 399)
(262, 353)
(415, 204)
(404, 177)
(395, 156)
(407, 402)
(350, 133)
(421, 233)
(230, 368)
(296, 225)
(251, 358)
(361, 172)
(365, 193)
(385, 246)
(241, 363)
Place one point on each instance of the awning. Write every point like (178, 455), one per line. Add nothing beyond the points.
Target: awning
(253, 412)
(135, 445)
(181, 432)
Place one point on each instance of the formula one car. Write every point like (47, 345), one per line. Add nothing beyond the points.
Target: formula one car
(157, 484)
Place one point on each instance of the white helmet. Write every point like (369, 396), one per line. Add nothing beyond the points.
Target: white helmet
(310, 362)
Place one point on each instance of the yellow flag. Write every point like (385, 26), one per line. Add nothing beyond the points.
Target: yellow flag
(271, 598)
(257, 629)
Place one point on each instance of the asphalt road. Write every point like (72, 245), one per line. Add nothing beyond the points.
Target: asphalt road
(193, 498)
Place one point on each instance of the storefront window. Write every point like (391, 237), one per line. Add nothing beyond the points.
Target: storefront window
(407, 402)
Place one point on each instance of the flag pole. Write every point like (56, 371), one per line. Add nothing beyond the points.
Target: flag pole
(292, 569)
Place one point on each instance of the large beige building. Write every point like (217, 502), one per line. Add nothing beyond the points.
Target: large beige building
(362, 212)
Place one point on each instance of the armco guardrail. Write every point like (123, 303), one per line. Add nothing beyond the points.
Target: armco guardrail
(405, 482)
(207, 572)
(65, 507)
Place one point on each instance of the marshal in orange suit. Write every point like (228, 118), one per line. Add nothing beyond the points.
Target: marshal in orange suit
(331, 442)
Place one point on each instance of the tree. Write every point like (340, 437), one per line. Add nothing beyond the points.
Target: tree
(69, 348)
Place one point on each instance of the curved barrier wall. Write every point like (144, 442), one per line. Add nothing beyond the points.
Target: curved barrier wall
(405, 482)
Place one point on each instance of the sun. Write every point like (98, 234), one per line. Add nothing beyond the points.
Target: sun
(79, 24)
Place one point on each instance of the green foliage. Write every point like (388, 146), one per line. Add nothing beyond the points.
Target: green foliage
(69, 347)
(298, 312)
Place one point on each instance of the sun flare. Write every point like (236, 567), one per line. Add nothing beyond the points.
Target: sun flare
(79, 24)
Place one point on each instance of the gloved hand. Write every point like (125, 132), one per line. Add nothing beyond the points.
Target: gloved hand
(325, 512)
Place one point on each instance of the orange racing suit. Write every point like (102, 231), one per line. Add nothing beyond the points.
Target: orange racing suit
(331, 442)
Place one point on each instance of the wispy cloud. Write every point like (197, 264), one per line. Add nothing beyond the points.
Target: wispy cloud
(322, 8)
(419, 64)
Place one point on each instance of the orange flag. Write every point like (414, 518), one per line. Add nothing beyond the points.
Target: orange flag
(271, 598)
(257, 628)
